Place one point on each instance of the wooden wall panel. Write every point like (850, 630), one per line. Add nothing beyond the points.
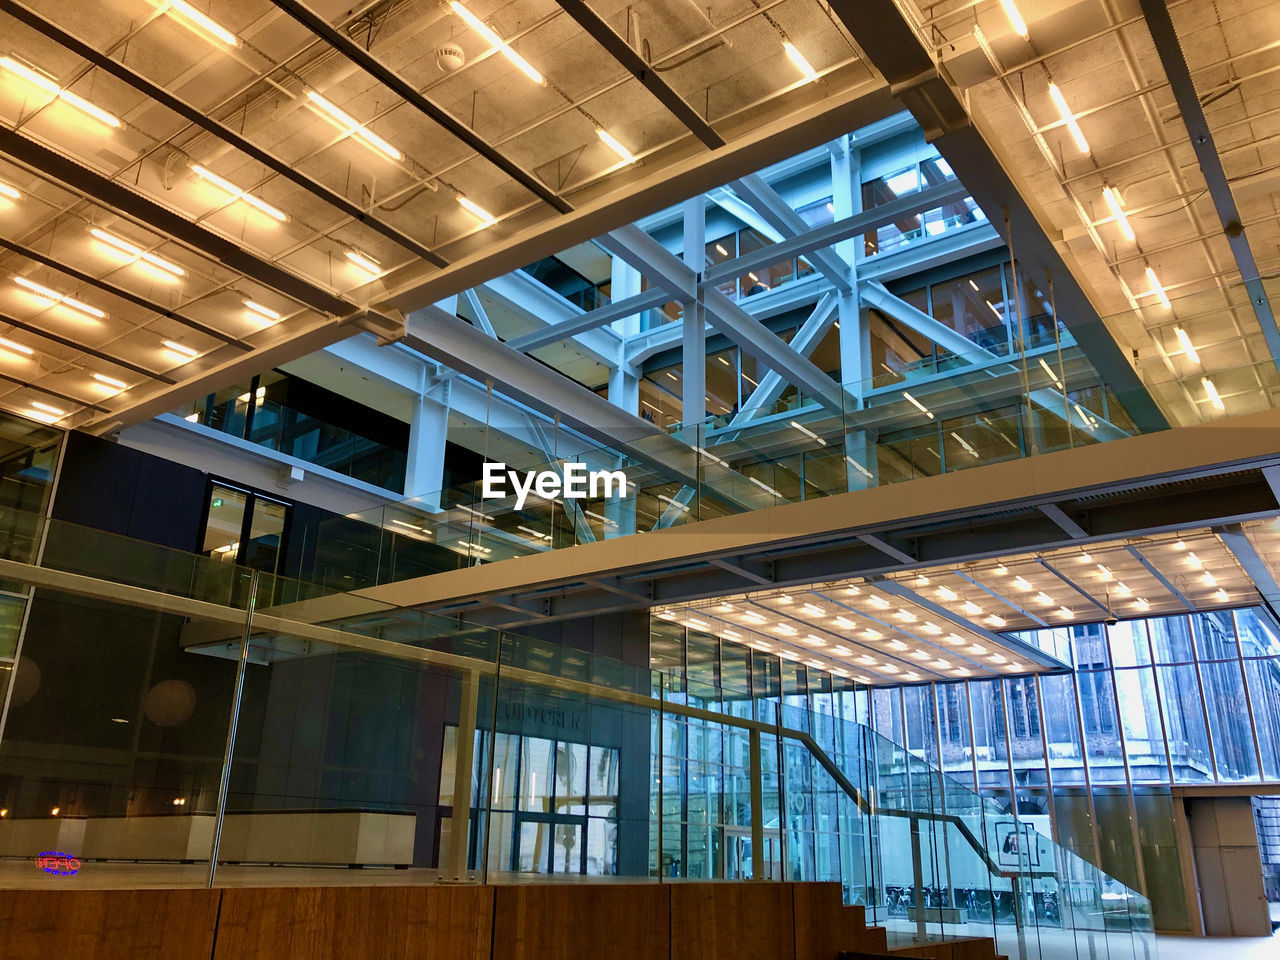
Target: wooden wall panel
(356, 923)
(107, 924)
(581, 922)
(824, 926)
(732, 921)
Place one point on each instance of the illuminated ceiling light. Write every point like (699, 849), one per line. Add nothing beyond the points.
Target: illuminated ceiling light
(48, 408)
(45, 293)
(1116, 206)
(1002, 571)
(42, 416)
(841, 650)
(1022, 583)
(971, 608)
(862, 678)
(759, 645)
(872, 634)
(808, 433)
(1015, 18)
(854, 591)
(731, 634)
(1221, 596)
(911, 675)
(941, 664)
(135, 251)
(1180, 545)
(722, 251)
(8, 344)
(1084, 416)
(1104, 572)
(1068, 118)
(753, 617)
(1053, 376)
(613, 144)
(879, 603)
(262, 311)
(1142, 604)
(106, 381)
(480, 27)
(1044, 598)
(954, 639)
(1209, 579)
(353, 128)
(922, 581)
(1064, 612)
(227, 187)
(859, 467)
(813, 663)
(868, 660)
(813, 608)
(920, 655)
(1123, 588)
(1187, 348)
(1086, 558)
(725, 607)
(788, 655)
(364, 262)
(896, 644)
(38, 78)
(10, 192)
(1014, 666)
(477, 211)
(785, 598)
(931, 628)
(813, 641)
(962, 671)
(666, 615)
(997, 658)
(785, 630)
(946, 593)
(906, 616)
(917, 404)
(977, 648)
(180, 349)
(260, 394)
(796, 57)
(204, 22)
(1157, 289)
(1194, 562)
(844, 623)
(995, 620)
(695, 623)
(965, 443)
(1211, 392)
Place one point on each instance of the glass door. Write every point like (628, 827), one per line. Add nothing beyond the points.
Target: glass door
(244, 528)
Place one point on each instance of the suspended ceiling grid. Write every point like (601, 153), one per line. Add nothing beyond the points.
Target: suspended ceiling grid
(1115, 81)
(955, 621)
(339, 153)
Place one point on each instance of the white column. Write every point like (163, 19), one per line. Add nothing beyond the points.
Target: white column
(694, 342)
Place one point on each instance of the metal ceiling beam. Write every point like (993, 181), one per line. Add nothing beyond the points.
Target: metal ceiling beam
(660, 265)
(1251, 561)
(90, 351)
(564, 329)
(123, 294)
(198, 118)
(808, 336)
(1169, 49)
(76, 401)
(1161, 578)
(542, 306)
(410, 95)
(635, 64)
(101, 190)
(879, 29)
(1080, 591)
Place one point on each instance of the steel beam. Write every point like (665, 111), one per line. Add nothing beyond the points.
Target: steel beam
(101, 190)
(653, 260)
(1169, 49)
(770, 349)
(778, 214)
(89, 351)
(877, 26)
(1251, 562)
(198, 118)
(543, 306)
(807, 337)
(591, 320)
(410, 95)
(636, 65)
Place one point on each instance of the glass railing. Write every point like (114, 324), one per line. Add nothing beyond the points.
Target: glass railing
(163, 738)
(979, 409)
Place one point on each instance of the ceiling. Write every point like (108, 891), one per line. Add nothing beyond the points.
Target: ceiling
(313, 160)
(959, 620)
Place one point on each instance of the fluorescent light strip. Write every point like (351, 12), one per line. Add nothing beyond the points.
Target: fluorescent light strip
(615, 145)
(228, 187)
(262, 311)
(480, 27)
(106, 381)
(477, 211)
(135, 251)
(796, 57)
(204, 22)
(1114, 204)
(860, 468)
(364, 262)
(15, 347)
(808, 433)
(1049, 370)
(47, 293)
(352, 127)
(48, 408)
(917, 404)
(1157, 289)
(1187, 347)
(1211, 392)
(50, 86)
(1068, 118)
(180, 349)
(10, 192)
(1015, 19)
